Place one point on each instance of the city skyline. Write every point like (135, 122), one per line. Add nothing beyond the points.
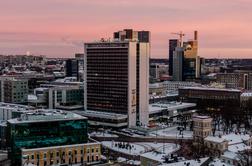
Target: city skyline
(59, 28)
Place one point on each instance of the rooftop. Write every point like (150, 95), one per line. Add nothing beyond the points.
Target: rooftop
(232, 138)
(215, 139)
(199, 162)
(238, 147)
(158, 107)
(101, 114)
(246, 94)
(17, 107)
(201, 117)
(211, 89)
(46, 115)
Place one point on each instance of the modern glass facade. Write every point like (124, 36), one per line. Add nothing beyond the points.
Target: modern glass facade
(44, 134)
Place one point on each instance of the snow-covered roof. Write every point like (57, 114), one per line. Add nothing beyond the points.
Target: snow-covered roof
(236, 138)
(190, 162)
(157, 107)
(230, 155)
(238, 147)
(215, 139)
(156, 156)
(32, 97)
(246, 94)
(218, 162)
(231, 138)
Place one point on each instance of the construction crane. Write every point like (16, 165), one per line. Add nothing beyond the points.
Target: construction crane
(181, 35)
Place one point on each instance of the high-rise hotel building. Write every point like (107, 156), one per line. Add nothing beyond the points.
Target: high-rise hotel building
(116, 76)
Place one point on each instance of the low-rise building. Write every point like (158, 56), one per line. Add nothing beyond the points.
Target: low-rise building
(228, 147)
(202, 127)
(170, 111)
(215, 99)
(65, 97)
(42, 137)
(10, 111)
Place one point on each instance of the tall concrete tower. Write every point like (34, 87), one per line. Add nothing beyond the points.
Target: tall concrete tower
(117, 77)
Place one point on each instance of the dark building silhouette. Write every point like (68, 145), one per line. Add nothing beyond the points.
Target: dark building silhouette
(72, 68)
(173, 43)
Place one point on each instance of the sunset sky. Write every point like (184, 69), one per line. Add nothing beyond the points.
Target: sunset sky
(57, 28)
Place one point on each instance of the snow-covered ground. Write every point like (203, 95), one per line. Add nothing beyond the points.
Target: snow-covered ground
(131, 162)
(172, 132)
(142, 147)
(103, 134)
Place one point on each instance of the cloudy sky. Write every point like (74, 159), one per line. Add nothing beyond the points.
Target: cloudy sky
(58, 28)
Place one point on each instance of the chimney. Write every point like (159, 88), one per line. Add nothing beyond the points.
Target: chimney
(195, 35)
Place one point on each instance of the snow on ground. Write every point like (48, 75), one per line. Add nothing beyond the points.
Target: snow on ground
(218, 162)
(103, 134)
(136, 149)
(172, 132)
(143, 147)
(131, 162)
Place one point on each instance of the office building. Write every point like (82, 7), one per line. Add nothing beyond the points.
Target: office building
(72, 68)
(185, 63)
(178, 64)
(14, 90)
(157, 71)
(236, 80)
(58, 95)
(117, 77)
(212, 99)
(10, 111)
(173, 43)
(48, 137)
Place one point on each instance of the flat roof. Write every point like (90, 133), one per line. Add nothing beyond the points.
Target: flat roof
(157, 107)
(199, 162)
(101, 114)
(17, 107)
(63, 146)
(246, 94)
(43, 115)
(232, 138)
(211, 89)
